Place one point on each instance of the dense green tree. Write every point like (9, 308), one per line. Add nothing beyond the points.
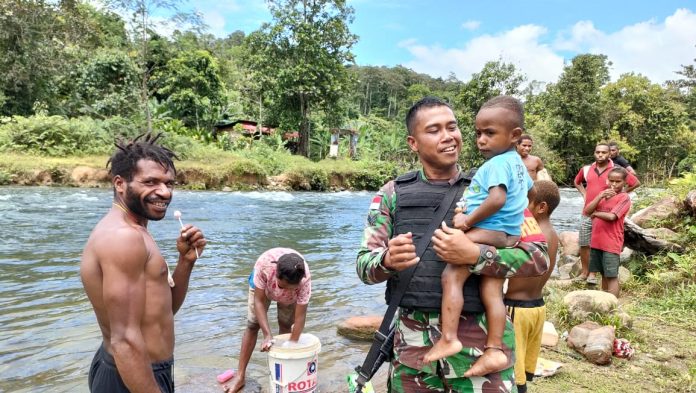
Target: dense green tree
(649, 118)
(192, 90)
(574, 108)
(305, 51)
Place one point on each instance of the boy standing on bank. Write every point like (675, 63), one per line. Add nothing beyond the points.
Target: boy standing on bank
(531, 162)
(494, 213)
(608, 211)
(523, 298)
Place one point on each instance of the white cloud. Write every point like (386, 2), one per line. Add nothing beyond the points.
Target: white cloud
(520, 46)
(471, 25)
(655, 49)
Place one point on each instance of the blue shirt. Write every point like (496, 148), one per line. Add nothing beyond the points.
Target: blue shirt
(506, 170)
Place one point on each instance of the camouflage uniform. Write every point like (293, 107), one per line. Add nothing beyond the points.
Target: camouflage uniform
(417, 331)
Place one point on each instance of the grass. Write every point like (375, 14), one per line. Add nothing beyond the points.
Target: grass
(663, 334)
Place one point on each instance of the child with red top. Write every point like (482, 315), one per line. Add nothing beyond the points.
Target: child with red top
(608, 210)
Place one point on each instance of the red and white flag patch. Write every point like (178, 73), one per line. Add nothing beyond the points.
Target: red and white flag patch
(376, 201)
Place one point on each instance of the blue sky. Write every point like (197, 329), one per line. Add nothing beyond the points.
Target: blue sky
(438, 37)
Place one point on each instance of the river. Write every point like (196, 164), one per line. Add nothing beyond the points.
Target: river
(48, 332)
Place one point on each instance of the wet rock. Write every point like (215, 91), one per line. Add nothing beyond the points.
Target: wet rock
(583, 303)
(569, 243)
(663, 209)
(360, 328)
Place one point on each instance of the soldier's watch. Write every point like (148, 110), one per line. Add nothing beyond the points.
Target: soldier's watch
(486, 253)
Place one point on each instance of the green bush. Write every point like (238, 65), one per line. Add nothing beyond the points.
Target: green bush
(55, 136)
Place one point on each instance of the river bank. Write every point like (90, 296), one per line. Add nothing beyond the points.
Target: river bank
(222, 172)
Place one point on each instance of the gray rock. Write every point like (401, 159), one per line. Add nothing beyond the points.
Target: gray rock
(569, 243)
(661, 210)
(583, 303)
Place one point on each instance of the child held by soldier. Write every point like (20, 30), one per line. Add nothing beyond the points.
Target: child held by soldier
(524, 295)
(493, 214)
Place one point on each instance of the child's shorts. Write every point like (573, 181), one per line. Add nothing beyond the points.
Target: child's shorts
(286, 312)
(604, 262)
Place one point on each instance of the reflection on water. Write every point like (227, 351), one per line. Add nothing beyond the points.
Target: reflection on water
(48, 333)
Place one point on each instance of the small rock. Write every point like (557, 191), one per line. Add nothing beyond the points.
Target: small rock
(662, 354)
(624, 275)
(549, 337)
(360, 328)
(226, 189)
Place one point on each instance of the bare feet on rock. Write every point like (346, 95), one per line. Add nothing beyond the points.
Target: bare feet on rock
(442, 349)
(234, 385)
(492, 360)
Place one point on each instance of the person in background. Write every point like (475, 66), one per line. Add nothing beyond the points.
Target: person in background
(398, 215)
(524, 295)
(280, 275)
(126, 278)
(608, 211)
(532, 163)
(616, 157)
(596, 177)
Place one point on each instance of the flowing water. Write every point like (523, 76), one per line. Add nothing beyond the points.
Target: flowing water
(48, 332)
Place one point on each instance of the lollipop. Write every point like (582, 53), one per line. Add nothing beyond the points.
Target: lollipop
(177, 215)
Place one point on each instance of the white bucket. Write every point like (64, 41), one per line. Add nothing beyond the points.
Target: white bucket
(294, 366)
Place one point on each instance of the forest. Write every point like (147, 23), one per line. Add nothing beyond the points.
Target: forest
(77, 76)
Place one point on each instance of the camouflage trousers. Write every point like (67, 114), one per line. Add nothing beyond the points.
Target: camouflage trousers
(417, 331)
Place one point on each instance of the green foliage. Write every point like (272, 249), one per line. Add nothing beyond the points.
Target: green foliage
(304, 52)
(192, 90)
(5, 178)
(55, 136)
(308, 178)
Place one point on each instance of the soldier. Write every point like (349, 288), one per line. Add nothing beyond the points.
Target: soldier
(397, 217)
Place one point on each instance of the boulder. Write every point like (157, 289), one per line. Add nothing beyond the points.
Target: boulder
(663, 234)
(690, 202)
(565, 272)
(583, 303)
(568, 259)
(661, 210)
(625, 255)
(595, 342)
(360, 328)
(638, 239)
(569, 243)
(549, 336)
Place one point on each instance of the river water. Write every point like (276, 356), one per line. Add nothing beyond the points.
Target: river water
(48, 332)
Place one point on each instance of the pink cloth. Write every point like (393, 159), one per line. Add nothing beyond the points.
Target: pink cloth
(265, 278)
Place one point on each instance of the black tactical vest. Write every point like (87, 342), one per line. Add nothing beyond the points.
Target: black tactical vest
(416, 201)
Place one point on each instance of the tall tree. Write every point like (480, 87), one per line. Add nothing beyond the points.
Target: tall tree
(305, 49)
(574, 109)
(143, 27)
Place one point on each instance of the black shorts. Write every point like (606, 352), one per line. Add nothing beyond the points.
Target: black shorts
(104, 377)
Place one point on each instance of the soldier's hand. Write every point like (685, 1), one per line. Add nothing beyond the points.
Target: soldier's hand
(453, 246)
(401, 253)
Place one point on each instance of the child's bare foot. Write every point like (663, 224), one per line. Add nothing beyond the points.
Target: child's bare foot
(234, 385)
(492, 360)
(442, 349)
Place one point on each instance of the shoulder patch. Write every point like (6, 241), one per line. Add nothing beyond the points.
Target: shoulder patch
(376, 202)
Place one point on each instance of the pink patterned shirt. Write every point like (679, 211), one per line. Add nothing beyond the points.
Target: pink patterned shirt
(265, 278)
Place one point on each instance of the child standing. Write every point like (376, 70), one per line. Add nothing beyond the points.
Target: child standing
(608, 211)
(523, 298)
(495, 202)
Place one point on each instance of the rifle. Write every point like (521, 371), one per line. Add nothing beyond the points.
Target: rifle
(383, 344)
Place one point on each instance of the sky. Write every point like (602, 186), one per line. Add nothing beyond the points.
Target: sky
(649, 37)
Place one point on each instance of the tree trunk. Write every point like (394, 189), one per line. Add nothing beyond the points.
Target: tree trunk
(303, 148)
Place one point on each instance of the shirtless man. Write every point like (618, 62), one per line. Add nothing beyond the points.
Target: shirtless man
(533, 163)
(126, 278)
